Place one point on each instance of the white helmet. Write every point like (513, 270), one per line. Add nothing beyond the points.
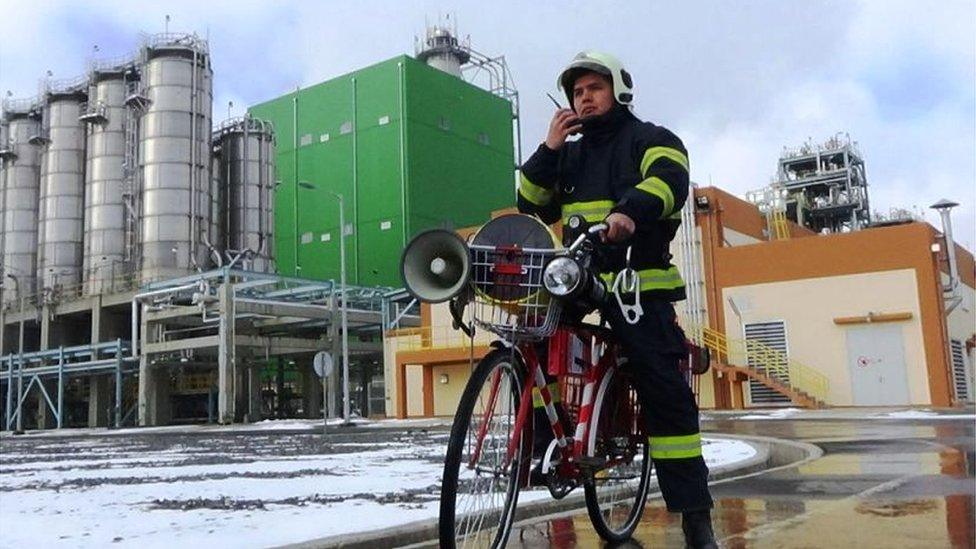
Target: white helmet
(603, 63)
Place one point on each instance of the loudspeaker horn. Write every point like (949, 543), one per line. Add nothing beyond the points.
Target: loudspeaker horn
(436, 266)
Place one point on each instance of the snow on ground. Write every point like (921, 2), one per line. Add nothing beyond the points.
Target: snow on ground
(779, 413)
(228, 489)
(841, 413)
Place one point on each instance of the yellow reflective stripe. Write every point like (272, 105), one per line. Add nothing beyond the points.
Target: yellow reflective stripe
(536, 194)
(676, 447)
(652, 279)
(660, 189)
(675, 215)
(537, 395)
(592, 212)
(654, 153)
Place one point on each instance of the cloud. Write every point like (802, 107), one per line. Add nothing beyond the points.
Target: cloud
(737, 80)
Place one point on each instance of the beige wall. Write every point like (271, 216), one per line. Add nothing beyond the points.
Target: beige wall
(447, 395)
(808, 307)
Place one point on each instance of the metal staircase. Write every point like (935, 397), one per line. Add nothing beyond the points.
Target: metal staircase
(755, 360)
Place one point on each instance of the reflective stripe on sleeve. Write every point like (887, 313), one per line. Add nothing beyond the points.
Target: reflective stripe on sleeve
(676, 447)
(536, 194)
(660, 189)
(654, 153)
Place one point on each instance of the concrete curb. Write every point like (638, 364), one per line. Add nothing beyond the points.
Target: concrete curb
(771, 454)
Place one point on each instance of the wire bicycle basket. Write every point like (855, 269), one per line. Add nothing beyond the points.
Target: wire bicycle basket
(508, 296)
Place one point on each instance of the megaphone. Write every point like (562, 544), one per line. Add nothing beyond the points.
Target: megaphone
(436, 266)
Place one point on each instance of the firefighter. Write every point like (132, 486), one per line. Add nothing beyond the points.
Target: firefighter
(633, 176)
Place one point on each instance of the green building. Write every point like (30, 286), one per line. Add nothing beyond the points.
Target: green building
(408, 147)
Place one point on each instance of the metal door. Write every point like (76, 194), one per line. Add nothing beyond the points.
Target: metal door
(876, 360)
(414, 379)
(773, 335)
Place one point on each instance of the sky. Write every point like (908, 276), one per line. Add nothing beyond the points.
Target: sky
(737, 80)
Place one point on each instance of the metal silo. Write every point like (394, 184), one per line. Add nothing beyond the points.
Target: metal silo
(247, 155)
(62, 206)
(174, 151)
(110, 174)
(21, 186)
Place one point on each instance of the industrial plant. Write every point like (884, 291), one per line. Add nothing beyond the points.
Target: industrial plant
(160, 267)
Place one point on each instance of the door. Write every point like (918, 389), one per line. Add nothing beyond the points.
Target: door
(876, 361)
(415, 390)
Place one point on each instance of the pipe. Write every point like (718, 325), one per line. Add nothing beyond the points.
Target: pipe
(213, 251)
(193, 163)
(403, 162)
(355, 196)
(294, 122)
(135, 311)
(950, 251)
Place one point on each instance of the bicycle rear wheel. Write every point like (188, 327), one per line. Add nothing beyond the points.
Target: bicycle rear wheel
(616, 493)
(479, 489)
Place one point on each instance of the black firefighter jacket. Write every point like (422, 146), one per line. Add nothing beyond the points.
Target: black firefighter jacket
(621, 164)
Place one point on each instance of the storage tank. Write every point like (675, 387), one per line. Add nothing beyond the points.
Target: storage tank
(105, 252)
(62, 205)
(21, 187)
(247, 155)
(174, 149)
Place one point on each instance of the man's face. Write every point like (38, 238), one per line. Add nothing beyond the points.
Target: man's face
(592, 95)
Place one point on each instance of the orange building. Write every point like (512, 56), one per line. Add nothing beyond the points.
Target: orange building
(848, 319)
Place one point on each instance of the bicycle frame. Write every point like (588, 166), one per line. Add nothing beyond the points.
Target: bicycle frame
(572, 455)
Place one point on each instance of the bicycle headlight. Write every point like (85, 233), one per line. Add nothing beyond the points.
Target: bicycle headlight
(562, 276)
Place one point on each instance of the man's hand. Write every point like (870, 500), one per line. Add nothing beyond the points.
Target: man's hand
(620, 227)
(564, 123)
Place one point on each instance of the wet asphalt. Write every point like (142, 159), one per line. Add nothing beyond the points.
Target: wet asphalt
(900, 483)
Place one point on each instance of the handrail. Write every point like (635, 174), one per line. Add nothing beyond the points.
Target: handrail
(759, 357)
(426, 338)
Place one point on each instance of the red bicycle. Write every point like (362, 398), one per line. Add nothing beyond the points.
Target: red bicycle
(531, 297)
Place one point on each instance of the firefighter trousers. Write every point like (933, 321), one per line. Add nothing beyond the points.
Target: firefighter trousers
(653, 346)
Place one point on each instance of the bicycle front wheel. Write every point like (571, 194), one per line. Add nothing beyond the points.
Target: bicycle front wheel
(480, 486)
(616, 493)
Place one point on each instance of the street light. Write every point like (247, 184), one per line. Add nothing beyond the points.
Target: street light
(342, 293)
(345, 308)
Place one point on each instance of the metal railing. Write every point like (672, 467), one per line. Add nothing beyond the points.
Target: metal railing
(428, 338)
(779, 228)
(759, 357)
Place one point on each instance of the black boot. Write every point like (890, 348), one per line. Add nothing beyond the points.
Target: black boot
(697, 526)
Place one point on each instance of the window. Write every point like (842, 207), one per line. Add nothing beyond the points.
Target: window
(345, 128)
(386, 225)
(306, 140)
(384, 120)
(325, 237)
(444, 123)
(323, 138)
(306, 238)
(483, 139)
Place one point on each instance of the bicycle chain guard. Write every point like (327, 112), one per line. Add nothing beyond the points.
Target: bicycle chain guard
(559, 486)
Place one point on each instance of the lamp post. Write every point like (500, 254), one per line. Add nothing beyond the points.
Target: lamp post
(345, 308)
(342, 294)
